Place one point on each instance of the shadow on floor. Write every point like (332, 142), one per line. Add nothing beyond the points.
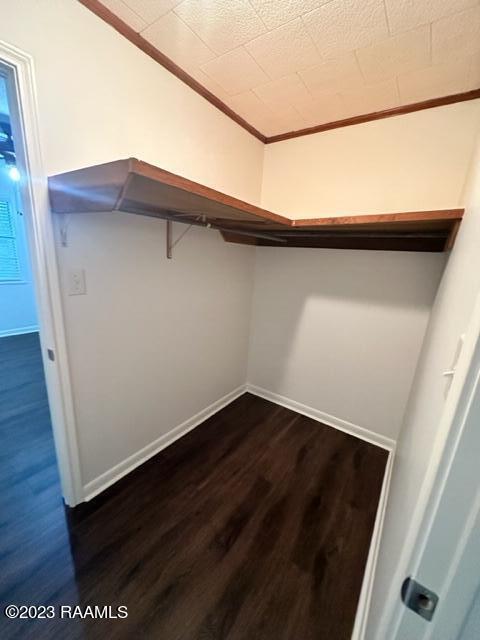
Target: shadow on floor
(254, 526)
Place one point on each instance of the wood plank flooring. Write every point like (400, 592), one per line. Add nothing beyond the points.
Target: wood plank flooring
(254, 526)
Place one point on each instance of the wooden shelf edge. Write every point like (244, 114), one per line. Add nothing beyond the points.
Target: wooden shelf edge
(137, 187)
(379, 218)
(185, 184)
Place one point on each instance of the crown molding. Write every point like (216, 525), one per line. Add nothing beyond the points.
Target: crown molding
(378, 115)
(139, 41)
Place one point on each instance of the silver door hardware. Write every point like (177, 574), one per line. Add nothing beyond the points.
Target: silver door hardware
(419, 599)
(449, 373)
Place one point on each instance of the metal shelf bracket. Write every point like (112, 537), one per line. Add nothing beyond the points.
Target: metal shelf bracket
(171, 243)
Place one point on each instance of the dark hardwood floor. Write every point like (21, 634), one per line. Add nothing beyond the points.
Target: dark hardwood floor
(254, 526)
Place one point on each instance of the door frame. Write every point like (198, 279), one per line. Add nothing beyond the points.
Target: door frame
(18, 69)
(450, 430)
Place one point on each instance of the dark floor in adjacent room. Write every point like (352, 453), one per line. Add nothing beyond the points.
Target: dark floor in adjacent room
(254, 526)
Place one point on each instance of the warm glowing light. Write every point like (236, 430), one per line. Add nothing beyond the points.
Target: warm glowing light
(14, 174)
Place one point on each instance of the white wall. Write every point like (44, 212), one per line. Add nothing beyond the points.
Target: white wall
(472, 622)
(330, 315)
(447, 552)
(101, 99)
(18, 312)
(451, 312)
(153, 341)
(406, 163)
(340, 331)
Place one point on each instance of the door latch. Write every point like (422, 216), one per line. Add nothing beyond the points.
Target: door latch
(419, 599)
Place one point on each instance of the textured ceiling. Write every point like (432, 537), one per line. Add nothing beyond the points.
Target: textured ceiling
(284, 65)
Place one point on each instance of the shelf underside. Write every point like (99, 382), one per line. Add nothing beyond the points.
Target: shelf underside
(138, 188)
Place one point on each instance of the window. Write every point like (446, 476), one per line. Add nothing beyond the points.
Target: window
(9, 262)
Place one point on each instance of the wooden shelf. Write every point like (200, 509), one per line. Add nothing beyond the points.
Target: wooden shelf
(139, 188)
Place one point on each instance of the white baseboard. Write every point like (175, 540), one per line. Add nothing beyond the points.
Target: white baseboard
(320, 416)
(111, 476)
(363, 607)
(93, 488)
(18, 332)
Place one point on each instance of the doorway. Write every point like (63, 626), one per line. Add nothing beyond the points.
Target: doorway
(28, 468)
(27, 251)
(446, 554)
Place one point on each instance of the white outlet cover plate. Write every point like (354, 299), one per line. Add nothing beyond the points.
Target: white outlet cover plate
(76, 282)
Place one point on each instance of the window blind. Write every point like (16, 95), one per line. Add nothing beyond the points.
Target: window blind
(9, 262)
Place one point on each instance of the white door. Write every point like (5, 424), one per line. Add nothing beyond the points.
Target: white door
(448, 553)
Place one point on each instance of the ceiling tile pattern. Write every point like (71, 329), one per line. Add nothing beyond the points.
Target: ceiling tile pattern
(399, 54)
(408, 14)
(341, 26)
(284, 65)
(284, 50)
(235, 71)
(221, 25)
(334, 76)
(456, 36)
(171, 36)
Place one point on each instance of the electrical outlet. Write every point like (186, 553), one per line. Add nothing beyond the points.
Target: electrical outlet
(76, 282)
